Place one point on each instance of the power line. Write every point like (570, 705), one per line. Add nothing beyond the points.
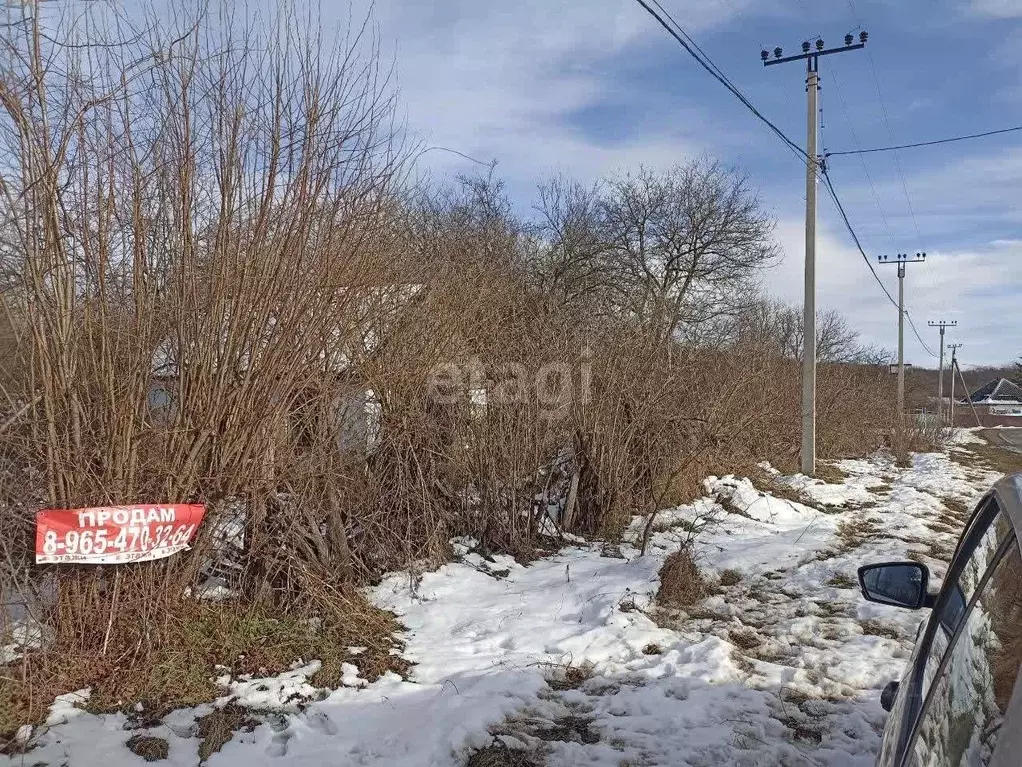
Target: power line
(927, 143)
(897, 160)
(692, 42)
(837, 200)
(887, 123)
(855, 237)
(706, 63)
(848, 225)
(865, 168)
(919, 338)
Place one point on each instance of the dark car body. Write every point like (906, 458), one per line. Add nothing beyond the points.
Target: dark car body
(959, 703)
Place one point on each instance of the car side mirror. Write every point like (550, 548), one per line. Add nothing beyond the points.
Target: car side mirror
(902, 584)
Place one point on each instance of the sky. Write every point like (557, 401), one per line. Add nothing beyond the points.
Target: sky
(589, 88)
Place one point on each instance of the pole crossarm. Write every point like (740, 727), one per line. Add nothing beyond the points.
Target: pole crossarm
(809, 53)
(902, 258)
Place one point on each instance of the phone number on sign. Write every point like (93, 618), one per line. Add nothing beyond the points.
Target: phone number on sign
(127, 539)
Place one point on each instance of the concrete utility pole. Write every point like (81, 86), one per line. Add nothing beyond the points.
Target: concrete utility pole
(812, 58)
(901, 259)
(954, 366)
(940, 381)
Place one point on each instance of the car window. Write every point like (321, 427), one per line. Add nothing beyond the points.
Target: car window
(963, 714)
(950, 610)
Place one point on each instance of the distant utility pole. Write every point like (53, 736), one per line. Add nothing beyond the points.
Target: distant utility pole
(940, 381)
(954, 366)
(812, 58)
(901, 259)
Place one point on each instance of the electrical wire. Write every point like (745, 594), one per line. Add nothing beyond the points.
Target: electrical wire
(887, 124)
(833, 193)
(927, 143)
(919, 338)
(848, 225)
(865, 168)
(897, 166)
(855, 237)
(706, 63)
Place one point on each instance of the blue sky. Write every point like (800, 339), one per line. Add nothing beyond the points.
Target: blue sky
(590, 87)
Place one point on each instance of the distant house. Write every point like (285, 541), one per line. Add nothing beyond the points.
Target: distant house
(998, 403)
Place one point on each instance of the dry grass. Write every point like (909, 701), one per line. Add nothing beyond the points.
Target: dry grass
(742, 661)
(830, 473)
(916, 555)
(842, 581)
(793, 695)
(681, 583)
(569, 677)
(745, 638)
(257, 287)
(877, 628)
(199, 637)
(995, 458)
(216, 728)
(941, 550)
(569, 729)
(784, 491)
(956, 513)
(498, 754)
(802, 731)
(150, 748)
(854, 532)
(726, 502)
(652, 649)
(730, 577)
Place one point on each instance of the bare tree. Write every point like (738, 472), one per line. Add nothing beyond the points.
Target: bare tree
(779, 326)
(569, 261)
(670, 250)
(686, 245)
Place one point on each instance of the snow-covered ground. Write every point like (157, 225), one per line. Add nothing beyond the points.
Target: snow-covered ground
(566, 658)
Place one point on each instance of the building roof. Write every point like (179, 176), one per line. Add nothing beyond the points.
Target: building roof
(1000, 391)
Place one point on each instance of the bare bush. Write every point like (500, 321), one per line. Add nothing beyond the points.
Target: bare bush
(681, 583)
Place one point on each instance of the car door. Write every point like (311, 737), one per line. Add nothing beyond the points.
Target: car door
(968, 678)
(985, 533)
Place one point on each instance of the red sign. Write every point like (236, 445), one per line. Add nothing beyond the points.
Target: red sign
(114, 534)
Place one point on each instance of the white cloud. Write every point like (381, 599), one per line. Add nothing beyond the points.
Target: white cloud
(499, 81)
(999, 9)
(977, 287)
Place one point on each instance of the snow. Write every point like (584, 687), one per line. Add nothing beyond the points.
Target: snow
(966, 437)
(23, 634)
(782, 667)
(938, 475)
(278, 693)
(67, 707)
